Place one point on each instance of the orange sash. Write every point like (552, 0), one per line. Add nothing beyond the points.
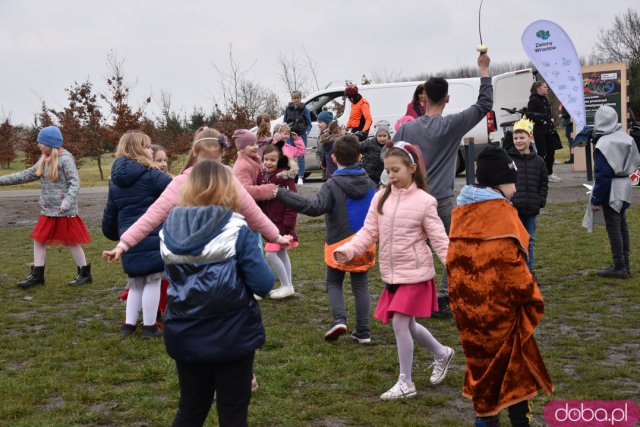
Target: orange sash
(358, 264)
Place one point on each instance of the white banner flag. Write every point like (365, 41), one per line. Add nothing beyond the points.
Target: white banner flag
(553, 54)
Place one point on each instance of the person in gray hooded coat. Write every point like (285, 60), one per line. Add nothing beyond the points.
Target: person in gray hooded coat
(616, 157)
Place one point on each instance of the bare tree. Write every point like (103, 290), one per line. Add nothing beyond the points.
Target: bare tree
(312, 66)
(621, 43)
(292, 73)
(123, 117)
(239, 93)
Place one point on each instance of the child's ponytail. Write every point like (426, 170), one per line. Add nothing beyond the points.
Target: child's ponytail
(264, 126)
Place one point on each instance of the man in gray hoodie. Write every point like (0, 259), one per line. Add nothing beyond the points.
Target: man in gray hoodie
(439, 137)
(615, 157)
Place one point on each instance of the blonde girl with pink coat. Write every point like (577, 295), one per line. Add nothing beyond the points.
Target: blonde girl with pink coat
(208, 145)
(402, 217)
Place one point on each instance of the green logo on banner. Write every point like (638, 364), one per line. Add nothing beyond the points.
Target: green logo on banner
(542, 34)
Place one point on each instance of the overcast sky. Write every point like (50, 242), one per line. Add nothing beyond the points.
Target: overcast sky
(45, 46)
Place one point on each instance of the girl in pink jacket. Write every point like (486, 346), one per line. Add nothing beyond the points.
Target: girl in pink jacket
(208, 144)
(248, 166)
(401, 218)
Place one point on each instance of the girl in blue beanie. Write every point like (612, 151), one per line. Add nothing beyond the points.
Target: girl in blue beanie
(58, 223)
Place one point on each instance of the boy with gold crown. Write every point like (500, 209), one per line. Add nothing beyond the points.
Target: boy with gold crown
(533, 182)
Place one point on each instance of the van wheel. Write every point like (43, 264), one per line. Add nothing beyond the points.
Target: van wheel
(460, 164)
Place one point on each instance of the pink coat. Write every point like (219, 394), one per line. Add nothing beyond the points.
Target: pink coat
(159, 211)
(248, 170)
(296, 150)
(410, 217)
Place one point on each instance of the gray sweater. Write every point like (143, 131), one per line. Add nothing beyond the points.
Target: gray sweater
(58, 198)
(439, 138)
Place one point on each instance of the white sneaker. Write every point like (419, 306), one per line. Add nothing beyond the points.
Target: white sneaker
(401, 390)
(554, 178)
(282, 292)
(441, 366)
(300, 181)
(257, 297)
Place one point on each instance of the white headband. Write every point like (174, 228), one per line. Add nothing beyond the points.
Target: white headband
(208, 138)
(401, 145)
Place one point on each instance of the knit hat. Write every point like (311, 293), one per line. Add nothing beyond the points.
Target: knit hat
(402, 120)
(325, 117)
(495, 167)
(383, 126)
(50, 136)
(243, 138)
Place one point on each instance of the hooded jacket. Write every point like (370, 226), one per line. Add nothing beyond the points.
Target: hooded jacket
(58, 195)
(616, 157)
(214, 267)
(132, 189)
(532, 185)
(344, 200)
(495, 301)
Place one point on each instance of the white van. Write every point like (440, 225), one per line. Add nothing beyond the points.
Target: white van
(389, 101)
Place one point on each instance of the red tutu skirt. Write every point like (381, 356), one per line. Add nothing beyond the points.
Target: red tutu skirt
(416, 299)
(60, 230)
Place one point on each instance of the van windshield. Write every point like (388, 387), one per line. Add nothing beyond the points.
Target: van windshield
(333, 102)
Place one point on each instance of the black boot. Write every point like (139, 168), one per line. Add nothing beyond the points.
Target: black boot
(35, 278)
(627, 264)
(570, 161)
(150, 332)
(83, 277)
(614, 272)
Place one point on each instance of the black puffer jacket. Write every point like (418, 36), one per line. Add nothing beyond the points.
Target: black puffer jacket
(532, 185)
(371, 160)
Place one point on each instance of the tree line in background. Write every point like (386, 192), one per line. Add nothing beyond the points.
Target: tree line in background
(89, 133)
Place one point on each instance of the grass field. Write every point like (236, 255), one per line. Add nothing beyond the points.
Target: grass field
(62, 364)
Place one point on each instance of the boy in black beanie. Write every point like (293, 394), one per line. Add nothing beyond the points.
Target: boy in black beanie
(494, 297)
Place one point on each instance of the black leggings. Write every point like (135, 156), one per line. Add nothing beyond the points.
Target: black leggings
(544, 146)
(199, 381)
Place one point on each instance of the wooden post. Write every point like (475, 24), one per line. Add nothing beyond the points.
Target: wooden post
(470, 161)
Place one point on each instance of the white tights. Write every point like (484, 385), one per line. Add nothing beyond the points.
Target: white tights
(40, 252)
(144, 292)
(281, 265)
(406, 329)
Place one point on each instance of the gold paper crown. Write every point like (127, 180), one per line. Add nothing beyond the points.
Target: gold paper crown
(524, 124)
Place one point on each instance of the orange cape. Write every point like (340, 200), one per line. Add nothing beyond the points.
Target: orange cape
(497, 306)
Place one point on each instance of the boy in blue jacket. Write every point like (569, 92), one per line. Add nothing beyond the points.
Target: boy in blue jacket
(344, 200)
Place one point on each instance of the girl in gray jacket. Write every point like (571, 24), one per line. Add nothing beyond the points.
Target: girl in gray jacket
(58, 223)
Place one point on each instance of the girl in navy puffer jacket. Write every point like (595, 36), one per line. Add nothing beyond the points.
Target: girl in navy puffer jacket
(135, 184)
(213, 324)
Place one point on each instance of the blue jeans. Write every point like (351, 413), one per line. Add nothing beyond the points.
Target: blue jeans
(301, 158)
(529, 222)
